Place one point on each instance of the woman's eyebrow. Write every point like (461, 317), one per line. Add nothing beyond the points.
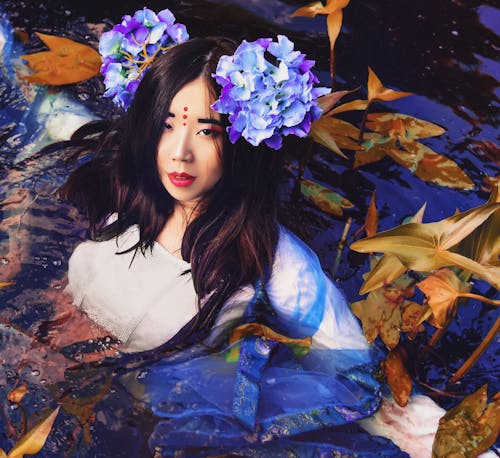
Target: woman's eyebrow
(210, 121)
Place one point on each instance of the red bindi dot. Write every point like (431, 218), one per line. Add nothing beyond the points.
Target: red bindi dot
(185, 108)
(183, 123)
(185, 116)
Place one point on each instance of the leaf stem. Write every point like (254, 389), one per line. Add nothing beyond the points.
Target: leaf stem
(341, 245)
(332, 66)
(465, 367)
(480, 298)
(362, 127)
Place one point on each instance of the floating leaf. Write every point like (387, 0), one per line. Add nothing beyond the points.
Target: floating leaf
(415, 128)
(426, 247)
(437, 168)
(377, 91)
(411, 318)
(33, 441)
(371, 221)
(335, 134)
(469, 428)
(17, 394)
(388, 267)
(442, 290)
(66, 62)
(326, 199)
(333, 9)
(397, 375)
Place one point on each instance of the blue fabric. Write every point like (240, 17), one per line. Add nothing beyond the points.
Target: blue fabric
(208, 401)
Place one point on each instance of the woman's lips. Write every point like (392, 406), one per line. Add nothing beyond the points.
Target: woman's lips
(181, 179)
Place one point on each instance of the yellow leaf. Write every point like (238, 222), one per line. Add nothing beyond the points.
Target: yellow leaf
(311, 10)
(17, 394)
(373, 154)
(470, 428)
(335, 134)
(376, 90)
(357, 104)
(411, 318)
(397, 375)
(326, 199)
(414, 128)
(3, 454)
(388, 267)
(371, 221)
(66, 62)
(442, 290)
(3, 284)
(424, 247)
(33, 441)
(483, 244)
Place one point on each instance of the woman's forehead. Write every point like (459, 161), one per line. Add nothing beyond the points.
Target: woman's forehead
(194, 99)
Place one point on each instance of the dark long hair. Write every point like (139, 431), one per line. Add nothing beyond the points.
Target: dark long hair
(232, 241)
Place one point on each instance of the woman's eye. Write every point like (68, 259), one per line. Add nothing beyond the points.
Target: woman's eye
(209, 132)
(167, 126)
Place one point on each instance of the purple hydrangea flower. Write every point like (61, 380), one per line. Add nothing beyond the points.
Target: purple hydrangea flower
(267, 91)
(129, 47)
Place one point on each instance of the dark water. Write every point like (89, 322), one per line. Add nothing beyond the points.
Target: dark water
(445, 52)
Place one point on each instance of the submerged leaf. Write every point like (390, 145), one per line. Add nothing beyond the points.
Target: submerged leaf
(66, 62)
(469, 428)
(397, 375)
(33, 441)
(377, 91)
(426, 247)
(442, 290)
(325, 198)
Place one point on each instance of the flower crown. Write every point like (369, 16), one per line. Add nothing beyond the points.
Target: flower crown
(265, 99)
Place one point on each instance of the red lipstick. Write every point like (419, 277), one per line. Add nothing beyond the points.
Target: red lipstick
(181, 179)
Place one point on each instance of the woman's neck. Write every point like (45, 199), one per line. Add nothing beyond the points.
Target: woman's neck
(172, 234)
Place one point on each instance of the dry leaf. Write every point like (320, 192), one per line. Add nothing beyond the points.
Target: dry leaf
(415, 129)
(357, 104)
(326, 199)
(326, 102)
(442, 289)
(397, 375)
(33, 441)
(411, 318)
(427, 247)
(469, 428)
(66, 62)
(377, 91)
(335, 134)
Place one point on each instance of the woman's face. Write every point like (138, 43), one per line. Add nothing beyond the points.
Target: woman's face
(188, 157)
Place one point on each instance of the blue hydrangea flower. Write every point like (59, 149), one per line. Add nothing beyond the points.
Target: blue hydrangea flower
(129, 47)
(267, 91)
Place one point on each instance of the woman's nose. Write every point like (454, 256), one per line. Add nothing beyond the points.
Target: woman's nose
(182, 148)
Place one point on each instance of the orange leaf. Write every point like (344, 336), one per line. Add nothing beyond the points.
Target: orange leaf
(66, 62)
(334, 23)
(311, 10)
(442, 290)
(371, 222)
(397, 375)
(376, 90)
(326, 102)
(357, 104)
(17, 394)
